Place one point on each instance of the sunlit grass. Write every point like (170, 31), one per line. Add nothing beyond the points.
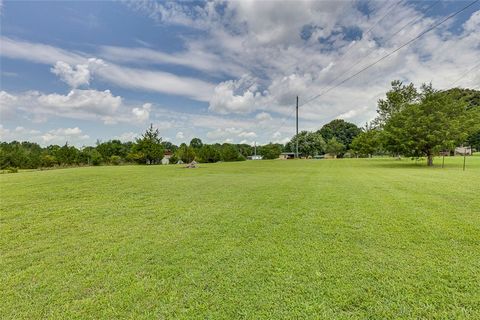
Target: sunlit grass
(332, 239)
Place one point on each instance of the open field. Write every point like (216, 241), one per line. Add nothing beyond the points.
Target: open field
(333, 239)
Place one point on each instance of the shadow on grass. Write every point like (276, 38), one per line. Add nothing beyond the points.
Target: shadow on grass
(411, 163)
(420, 164)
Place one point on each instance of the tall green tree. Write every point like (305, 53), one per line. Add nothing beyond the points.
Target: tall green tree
(309, 143)
(474, 140)
(67, 155)
(208, 153)
(185, 153)
(270, 151)
(196, 143)
(230, 152)
(334, 147)
(367, 143)
(340, 129)
(396, 99)
(112, 148)
(435, 123)
(149, 148)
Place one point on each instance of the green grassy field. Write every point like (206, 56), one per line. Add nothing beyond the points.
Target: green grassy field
(331, 239)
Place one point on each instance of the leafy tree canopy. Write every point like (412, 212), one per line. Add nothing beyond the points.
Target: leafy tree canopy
(149, 147)
(309, 143)
(434, 123)
(340, 129)
(334, 147)
(196, 143)
(396, 99)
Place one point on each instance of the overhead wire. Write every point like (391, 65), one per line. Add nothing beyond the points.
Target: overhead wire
(392, 52)
(390, 10)
(359, 61)
(464, 74)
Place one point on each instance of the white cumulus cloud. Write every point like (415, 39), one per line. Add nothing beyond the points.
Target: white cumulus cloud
(142, 114)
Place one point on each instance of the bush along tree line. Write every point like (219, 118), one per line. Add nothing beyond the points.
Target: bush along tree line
(410, 122)
(334, 138)
(148, 149)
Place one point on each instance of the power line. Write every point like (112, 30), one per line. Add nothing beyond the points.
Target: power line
(367, 32)
(392, 52)
(282, 124)
(344, 55)
(464, 74)
(373, 26)
(356, 63)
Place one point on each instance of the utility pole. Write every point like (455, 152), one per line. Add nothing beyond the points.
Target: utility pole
(297, 132)
(255, 146)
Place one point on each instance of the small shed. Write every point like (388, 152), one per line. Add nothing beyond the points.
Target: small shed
(287, 155)
(464, 151)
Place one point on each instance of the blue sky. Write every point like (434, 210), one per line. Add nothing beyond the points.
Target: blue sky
(221, 71)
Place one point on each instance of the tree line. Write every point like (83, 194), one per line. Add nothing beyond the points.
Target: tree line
(150, 148)
(410, 122)
(421, 122)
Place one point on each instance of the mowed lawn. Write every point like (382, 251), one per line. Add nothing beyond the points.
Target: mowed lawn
(306, 239)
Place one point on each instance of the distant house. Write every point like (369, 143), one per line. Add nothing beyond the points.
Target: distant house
(255, 157)
(287, 155)
(467, 151)
(166, 157)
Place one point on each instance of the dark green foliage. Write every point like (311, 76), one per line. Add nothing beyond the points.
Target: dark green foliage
(196, 143)
(270, 151)
(149, 149)
(367, 143)
(245, 149)
(173, 159)
(396, 99)
(340, 129)
(469, 96)
(115, 160)
(334, 147)
(49, 160)
(113, 148)
(230, 152)
(474, 140)
(20, 155)
(208, 153)
(437, 122)
(95, 157)
(185, 153)
(472, 100)
(309, 144)
(167, 145)
(67, 155)
(90, 156)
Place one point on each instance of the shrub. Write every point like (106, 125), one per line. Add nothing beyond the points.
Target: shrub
(115, 160)
(48, 160)
(173, 159)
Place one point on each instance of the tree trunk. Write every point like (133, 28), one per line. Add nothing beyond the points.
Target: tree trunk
(430, 160)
